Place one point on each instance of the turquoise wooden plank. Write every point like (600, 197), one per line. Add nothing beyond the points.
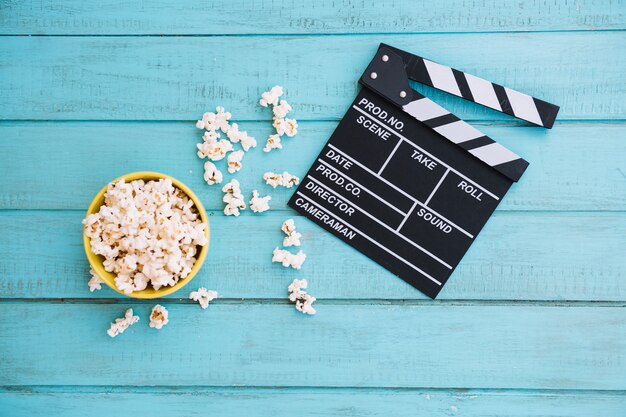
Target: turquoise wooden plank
(359, 345)
(27, 402)
(518, 256)
(575, 166)
(178, 78)
(299, 16)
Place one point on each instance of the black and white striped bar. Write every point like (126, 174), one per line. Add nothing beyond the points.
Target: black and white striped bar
(466, 136)
(387, 75)
(478, 90)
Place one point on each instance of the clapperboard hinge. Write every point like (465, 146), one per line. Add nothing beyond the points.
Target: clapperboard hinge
(389, 72)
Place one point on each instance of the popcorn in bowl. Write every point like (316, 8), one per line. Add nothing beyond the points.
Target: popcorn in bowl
(149, 235)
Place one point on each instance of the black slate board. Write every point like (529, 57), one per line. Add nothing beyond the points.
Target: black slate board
(400, 193)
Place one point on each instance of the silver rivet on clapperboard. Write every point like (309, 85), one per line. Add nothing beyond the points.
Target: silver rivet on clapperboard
(385, 58)
(373, 75)
(402, 94)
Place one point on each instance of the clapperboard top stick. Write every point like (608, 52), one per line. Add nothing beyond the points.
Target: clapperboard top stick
(388, 75)
(478, 90)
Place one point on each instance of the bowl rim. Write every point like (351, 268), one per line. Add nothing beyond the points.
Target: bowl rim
(95, 261)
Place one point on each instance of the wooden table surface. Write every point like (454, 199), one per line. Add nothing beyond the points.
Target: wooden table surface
(532, 323)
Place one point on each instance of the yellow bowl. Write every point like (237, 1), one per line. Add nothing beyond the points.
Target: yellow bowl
(96, 260)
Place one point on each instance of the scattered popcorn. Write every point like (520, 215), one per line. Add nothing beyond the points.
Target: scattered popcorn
(293, 237)
(95, 281)
(233, 205)
(273, 142)
(290, 127)
(295, 288)
(279, 125)
(271, 97)
(232, 187)
(203, 296)
(236, 136)
(210, 136)
(304, 302)
(212, 175)
(233, 209)
(259, 204)
(281, 110)
(214, 149)
(247, 142)
(273, 179)
(234, 161)
(122, 324)
(215, 121)
(233, 133)
(288, 259)
(147, 232)
(158, 317)
(233, 198)
(207, 122)
(289, 180)
(285, 179)
(305, 305)
(221, 119)
(287, 127)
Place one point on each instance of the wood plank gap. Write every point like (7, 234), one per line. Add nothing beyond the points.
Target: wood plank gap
(296, 34)
(187, 389)
(330, 301)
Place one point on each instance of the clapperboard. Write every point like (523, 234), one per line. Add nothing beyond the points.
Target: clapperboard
(405, 181)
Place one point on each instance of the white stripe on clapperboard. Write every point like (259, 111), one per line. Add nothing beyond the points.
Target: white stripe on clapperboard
(492, 154)
(442, 77)
(459, 131)
(426, 153)
(523, 106)
(483, 92)
(392, 230)
(460, 229)
(389, 251)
